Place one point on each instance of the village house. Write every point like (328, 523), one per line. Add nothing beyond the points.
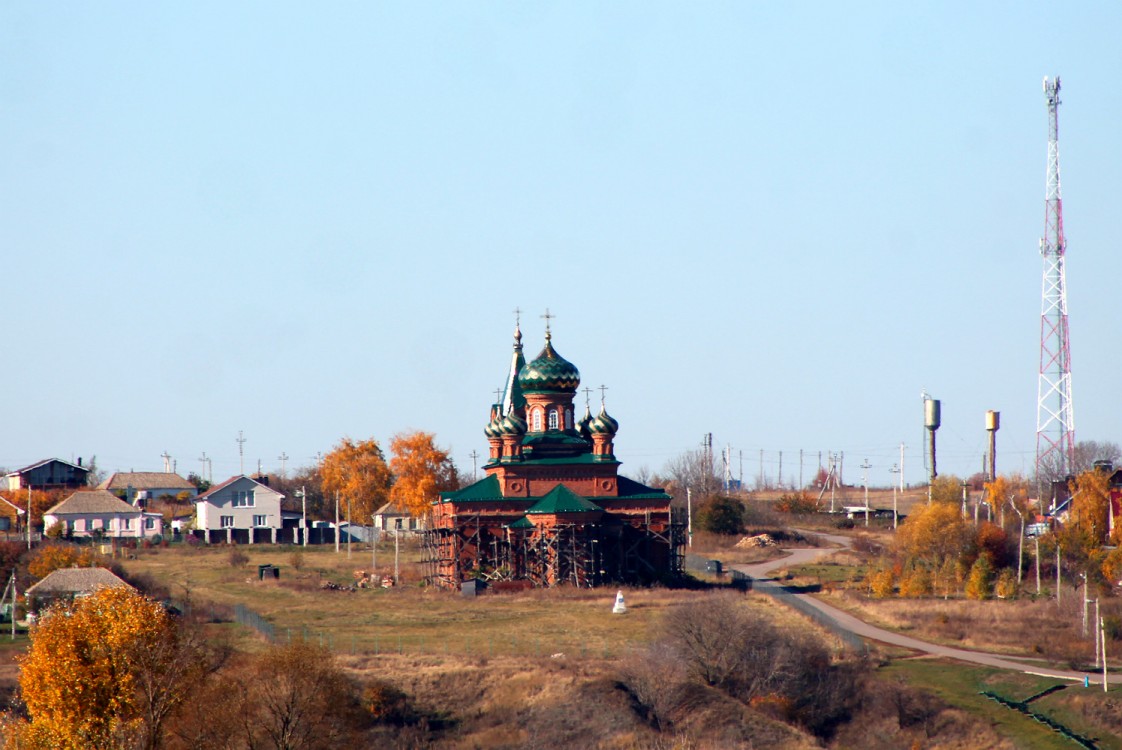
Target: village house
(139, 487)
(100, 513)
(49, 474)
(241, 510)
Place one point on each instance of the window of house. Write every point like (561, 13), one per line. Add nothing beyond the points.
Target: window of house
(259, 520)
(149, 523)
(95, 523)
(553, 419)
(126, 523)
(243, 499)
(227, 522)
(397, 523)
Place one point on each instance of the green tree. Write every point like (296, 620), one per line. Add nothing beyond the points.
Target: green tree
(721, 515)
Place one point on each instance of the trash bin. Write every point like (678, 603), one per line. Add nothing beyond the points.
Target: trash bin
(267, 571)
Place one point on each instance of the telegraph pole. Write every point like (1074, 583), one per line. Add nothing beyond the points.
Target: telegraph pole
(283, 457)
(865, 480)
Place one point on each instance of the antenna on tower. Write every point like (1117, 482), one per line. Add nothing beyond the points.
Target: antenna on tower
(1055, 419)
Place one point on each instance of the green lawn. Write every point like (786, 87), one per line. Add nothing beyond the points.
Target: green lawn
(960, 685)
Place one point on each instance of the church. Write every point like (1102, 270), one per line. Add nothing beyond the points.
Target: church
(552, 508)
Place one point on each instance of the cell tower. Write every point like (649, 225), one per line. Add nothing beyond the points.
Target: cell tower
(1055, 420)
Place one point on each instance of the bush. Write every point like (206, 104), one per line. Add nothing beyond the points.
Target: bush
(979, 585)
(916, 583)
(296, 559)
(1006, 585)
(798, 503)
(52, 557)
(721, 515)
(237, 558)
(882, 583)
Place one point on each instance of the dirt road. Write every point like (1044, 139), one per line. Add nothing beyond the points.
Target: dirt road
(845, 621)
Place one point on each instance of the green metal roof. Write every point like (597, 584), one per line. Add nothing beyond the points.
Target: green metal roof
(584, 458)
(487, 488)
(561, 499)
(521, 523)
(630, 488)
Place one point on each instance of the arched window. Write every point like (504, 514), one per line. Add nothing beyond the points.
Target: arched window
(537, 420)
(553, 419)
(568, 419)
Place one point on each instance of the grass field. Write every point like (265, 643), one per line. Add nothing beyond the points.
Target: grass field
(960, 685)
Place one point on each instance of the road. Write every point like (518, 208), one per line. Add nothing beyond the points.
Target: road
(846, 621)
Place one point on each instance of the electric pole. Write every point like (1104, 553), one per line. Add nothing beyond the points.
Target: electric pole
(241, 452)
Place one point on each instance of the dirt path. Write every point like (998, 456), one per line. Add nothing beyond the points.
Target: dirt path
(844, 620)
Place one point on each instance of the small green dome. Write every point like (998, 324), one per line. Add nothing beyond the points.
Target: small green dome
(549, 372)
(603, 424)
(583, 425)
(513, 424)
(494, 427)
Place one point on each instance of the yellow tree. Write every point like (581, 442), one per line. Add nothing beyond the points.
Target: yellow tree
(80, 677)
(421, 470)
(934, 535)
(358, 472)
(1086, 526)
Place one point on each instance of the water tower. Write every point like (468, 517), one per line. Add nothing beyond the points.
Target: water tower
(993, 424)
(931, 421)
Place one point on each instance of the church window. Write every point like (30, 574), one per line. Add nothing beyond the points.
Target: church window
(553, 419)
(568, 419)
(537, 420)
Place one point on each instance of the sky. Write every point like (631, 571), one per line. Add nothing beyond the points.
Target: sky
(776, 223)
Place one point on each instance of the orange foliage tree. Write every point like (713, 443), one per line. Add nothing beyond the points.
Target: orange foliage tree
(358, 472)
(421, 471)
(81, 677)
(51, 557)
(1086, 526)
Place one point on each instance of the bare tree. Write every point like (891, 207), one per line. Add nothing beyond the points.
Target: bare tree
(693, 469)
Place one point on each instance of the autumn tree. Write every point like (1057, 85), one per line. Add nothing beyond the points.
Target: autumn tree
(1086, 526)
(81, 680)
(421, 471)
(358, 472)
(947, 488)
(51, 557)
(721, 515)
(934, 533)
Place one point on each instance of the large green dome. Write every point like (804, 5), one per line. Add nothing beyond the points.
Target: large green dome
(549, 371)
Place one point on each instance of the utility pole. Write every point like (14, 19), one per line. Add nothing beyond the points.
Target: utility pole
(801, 485)
(241, 452)
(895, 515)
(202, 467)
(283, 458)
(167, 462)
(779, 481)
(901, 468)
(1055, 420)
(474, 456)
(865, 480)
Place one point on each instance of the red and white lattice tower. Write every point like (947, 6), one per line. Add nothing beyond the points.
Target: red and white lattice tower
(1055, 420)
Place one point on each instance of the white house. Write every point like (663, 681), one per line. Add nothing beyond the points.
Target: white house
(100, 512)
(238, 503)
(390, 518)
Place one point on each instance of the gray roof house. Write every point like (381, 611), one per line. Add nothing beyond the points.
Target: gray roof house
(100, 512)
(68, 583)
(148, 485)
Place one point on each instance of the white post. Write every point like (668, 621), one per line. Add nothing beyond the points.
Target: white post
(1098, 618)
(304, 513)
(336, 521)
(1102, 637)
(396, 570)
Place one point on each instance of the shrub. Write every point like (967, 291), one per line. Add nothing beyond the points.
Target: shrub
(799, 503)
(237, 558)
(721, 515)
(916, 583)
(979, 585)
(882, 583)
(51, 557)
(55, 530)
(1006, 587)
(296, 559)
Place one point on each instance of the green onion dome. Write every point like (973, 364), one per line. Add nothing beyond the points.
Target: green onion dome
(494, 427)
(603, 424)
(512, 424)
(549, 372)
(583, 424)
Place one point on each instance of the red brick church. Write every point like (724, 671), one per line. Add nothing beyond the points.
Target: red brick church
(553, 508)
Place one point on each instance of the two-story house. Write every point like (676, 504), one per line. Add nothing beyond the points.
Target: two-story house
(49, 474)
(239, 510)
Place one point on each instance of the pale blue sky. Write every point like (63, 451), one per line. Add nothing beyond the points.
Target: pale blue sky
(775, 222)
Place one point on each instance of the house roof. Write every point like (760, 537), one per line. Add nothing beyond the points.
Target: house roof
(561, 499)
(146, 480)
(44, 462)
(76, 581)
(92, 501)
(218, 487)
(391, 509)
(521, 523)
(487, 488)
